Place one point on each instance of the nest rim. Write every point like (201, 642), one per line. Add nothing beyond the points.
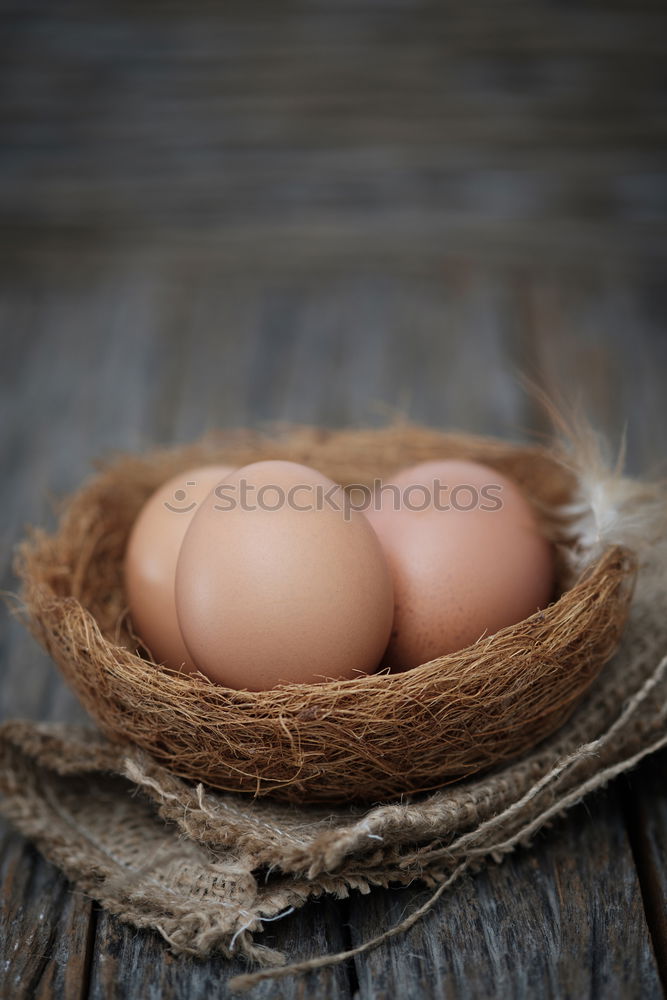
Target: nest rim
(336, 740)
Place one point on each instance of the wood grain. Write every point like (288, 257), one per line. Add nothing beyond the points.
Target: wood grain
(395, 132)
(127, 965)
(565, 918)
(646, 817)
(45, 927)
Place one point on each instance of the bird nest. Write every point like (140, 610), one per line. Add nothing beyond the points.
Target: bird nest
(370, 738)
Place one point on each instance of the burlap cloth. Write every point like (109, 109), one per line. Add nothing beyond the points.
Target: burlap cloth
(208, 870)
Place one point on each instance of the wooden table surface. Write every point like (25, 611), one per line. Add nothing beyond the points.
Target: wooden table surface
(216, 215)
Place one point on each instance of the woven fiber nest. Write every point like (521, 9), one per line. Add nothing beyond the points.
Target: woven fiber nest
(370, 738)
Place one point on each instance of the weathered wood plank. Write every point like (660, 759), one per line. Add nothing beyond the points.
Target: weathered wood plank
(646, 816)
(65, 405)
(611, 327)
(640, 307)
(62, 403)
(128, 965)
(374, 131)
(600, 338)
(44, 926)
(563, 919)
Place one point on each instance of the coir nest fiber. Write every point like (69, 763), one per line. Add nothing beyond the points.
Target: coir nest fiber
(371, 738)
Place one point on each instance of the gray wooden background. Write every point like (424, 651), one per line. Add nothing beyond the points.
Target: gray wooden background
(223, 214)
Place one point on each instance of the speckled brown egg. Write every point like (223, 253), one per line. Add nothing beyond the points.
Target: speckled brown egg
(467, 557)
(278, 584)
(151, 557)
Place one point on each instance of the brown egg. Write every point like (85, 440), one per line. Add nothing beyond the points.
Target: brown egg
(463, 572)
(276, 584)
(151, 556)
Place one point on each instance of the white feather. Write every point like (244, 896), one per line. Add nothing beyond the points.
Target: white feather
(607, 508)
